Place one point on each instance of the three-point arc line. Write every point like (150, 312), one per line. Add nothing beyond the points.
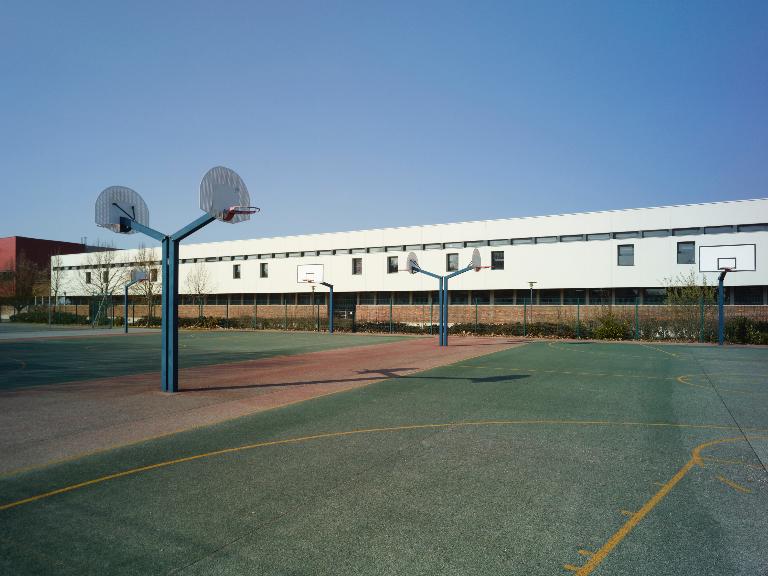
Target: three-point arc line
(594, 559)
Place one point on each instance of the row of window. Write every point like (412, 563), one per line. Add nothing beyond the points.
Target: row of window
(740, 295)
(470, 244)
(686, 253)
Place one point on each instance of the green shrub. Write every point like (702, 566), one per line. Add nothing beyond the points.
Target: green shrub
(611, 327)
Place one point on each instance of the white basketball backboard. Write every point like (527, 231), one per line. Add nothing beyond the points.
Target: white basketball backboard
(138, 275)
(118, 202)
(222, 189)
(736, 257)
(309, 273)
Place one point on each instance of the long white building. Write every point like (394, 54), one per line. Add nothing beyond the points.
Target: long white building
(595, 257)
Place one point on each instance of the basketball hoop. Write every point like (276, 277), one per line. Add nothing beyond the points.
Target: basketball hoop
(233, 211)
(478, 268)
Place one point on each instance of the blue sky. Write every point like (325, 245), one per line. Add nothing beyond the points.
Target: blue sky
(350, 115)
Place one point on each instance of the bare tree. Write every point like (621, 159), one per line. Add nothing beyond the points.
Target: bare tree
(55, 278)
(26, 282)
(104, 276)
(148, 262)
(199, 284)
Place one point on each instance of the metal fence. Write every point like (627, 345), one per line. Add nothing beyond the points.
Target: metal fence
(685, 323)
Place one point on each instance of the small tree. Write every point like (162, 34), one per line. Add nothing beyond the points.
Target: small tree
(26, 280)
(103, 277)
(199, 284)
(56, 278)
(686, 289)
(146, 261)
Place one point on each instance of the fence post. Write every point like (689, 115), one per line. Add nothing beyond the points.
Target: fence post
(701, 318)
(390, 313)
(525, 318)
(431, 306)
(637, 317)
(286, 314)
(578, 319)
(317, 311)
(475, 315)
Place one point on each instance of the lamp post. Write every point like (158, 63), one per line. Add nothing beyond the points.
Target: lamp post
(530, 284)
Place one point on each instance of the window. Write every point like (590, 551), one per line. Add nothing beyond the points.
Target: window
(686, 252)
(433, 246)
(236, 271)
(458, 297)
(87, 277)
(748, 295)
(501, 242)
(654, 295)
(686, 231)
(451, 262)
(625, 235)
(476, 243)
(392, 267)
(625, 295)
(265, 256)
(549, 297)
(599, 296)
(626, 254)
(211, 259)
(718, 229)
(342, 251)
(281, 255)
(367, 298)
(357, 266)
(358, 250)
(325, 252)
(411, 247)
(394, 248)
(310, 253)
(516, 241)
(105, 276)
(546, 239)
(420, 298)
(574, 296)
(376, 249)
(383, 297)
(238, 257)
(753, 227)
(481, 297)
(454, 244)
(600, 236)
(294, 254)
(153, 275)
(402, 298)
(572, 238)
(497, 260)
(264, 270)
(504, 297)
(655, 233)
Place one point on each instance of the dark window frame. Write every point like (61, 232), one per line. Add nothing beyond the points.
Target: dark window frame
(451, 267)
(392, 265)
(264, 270)
(619, 254)
(357, 270)
(691, 255)
(495, 260)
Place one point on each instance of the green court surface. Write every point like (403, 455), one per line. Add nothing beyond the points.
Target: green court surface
(54, 361)
(548, 458)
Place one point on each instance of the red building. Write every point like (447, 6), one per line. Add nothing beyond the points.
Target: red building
(16, 249)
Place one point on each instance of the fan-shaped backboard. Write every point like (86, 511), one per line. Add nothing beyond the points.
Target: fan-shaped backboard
(476, 262)
(220, 190)
(118, 202)
(412, 263)
(137, 275)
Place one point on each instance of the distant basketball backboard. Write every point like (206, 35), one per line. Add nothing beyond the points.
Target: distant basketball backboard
(412, 263)
(735, 257)
(138, 275)
(309, 273)
(118, 202)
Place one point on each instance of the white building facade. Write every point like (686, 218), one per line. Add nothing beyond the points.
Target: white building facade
(596, 257)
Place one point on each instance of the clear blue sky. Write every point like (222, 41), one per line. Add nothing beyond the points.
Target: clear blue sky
(350, 115)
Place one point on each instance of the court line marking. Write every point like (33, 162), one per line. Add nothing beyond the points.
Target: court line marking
(629, 525)
(325, 435)
(736, 462)
(732, 484)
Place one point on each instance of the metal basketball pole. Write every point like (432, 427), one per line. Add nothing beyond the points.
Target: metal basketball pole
(445, 297)
(721, 308)
(330, 313)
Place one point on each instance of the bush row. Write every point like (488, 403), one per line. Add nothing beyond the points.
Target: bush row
(738, 330)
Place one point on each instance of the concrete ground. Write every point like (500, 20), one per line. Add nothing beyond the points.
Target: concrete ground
(546, 458)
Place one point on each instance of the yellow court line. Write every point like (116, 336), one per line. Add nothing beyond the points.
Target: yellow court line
(629, 525)
(733, 485)
(684, 380)
(659, 349)
(737, 462)
(299, 439)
